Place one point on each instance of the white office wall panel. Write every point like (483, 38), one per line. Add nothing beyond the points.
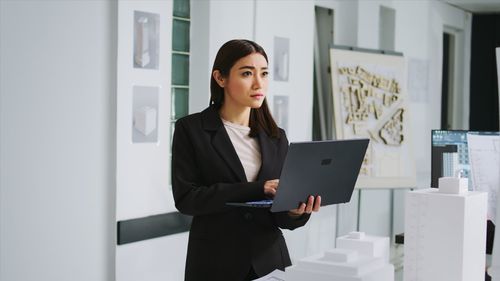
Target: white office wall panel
(213, 23)
(159, 259)
(57, 140)
(199, 62)
(228, 20)
(143, 155)
(143, 167)
(296, 25)
(368, 24)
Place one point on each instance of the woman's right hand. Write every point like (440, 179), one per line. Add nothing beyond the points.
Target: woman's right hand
(270, 188)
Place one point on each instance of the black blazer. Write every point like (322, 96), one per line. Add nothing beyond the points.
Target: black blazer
(225, 242)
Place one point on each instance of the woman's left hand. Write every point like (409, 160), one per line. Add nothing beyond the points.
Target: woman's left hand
(313, 205)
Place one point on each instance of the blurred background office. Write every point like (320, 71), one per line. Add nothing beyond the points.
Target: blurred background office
(82, 198)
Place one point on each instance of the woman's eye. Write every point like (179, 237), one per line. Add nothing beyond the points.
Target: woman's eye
(265, 73)
(247, 73)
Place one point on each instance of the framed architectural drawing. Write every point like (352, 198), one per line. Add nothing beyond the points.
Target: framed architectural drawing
(146, 40)
(281, 58)
(145, 114)
(280, 111)
(369, 100)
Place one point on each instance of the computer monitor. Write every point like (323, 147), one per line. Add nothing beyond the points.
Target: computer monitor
(450, 154)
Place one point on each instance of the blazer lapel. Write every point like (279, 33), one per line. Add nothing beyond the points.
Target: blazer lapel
(222, 143)
(268, 153)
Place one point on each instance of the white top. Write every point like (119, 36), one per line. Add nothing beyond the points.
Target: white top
(247, 148)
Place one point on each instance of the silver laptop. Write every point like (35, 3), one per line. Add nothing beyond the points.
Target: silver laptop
(326, 168)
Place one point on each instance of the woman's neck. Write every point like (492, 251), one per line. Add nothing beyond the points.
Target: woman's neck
(236, 115)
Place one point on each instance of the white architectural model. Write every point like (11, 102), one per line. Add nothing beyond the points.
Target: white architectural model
(142, 42)
(453, 185)
(145, 120)
(363, 259)
(373, 246)
(445, 233)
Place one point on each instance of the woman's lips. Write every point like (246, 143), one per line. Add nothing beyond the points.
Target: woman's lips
(257, 96)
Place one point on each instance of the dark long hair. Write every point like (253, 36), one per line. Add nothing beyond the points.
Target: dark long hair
(228, 55)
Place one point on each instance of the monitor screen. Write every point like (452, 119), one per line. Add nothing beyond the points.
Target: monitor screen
(450, 155)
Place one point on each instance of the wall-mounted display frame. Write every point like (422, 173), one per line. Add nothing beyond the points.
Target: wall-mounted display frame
(281, 58)
(146, 40)
(145, 114)
(280, 111)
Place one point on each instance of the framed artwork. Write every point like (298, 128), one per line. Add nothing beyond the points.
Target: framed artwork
(146, 40)
(280, 111)
(145, 114)
(281, 58)
(369, 101)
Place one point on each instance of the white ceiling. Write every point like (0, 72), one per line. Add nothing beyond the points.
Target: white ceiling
(477, 6)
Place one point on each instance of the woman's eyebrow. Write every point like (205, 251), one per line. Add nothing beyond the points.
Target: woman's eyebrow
(252, 67)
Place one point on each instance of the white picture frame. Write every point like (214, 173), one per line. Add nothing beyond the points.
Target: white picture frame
(280, 111)
(281, 59)
(145, 114)
(146, 40)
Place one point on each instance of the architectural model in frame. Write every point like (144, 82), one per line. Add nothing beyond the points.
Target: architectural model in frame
(145, 114)
(280, 111)
(146, 40)
(281, 58)
(370, 102)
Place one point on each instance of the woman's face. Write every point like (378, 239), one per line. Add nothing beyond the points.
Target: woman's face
(246, 85)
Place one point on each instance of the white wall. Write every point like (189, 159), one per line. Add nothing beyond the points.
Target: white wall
(212, 24)
(297, 24)
(158, 259)
(345, 16)
(229, 20)
(199, 78)
(57, 135)
(142, 185)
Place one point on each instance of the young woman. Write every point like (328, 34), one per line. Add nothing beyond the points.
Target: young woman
(233, 151)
